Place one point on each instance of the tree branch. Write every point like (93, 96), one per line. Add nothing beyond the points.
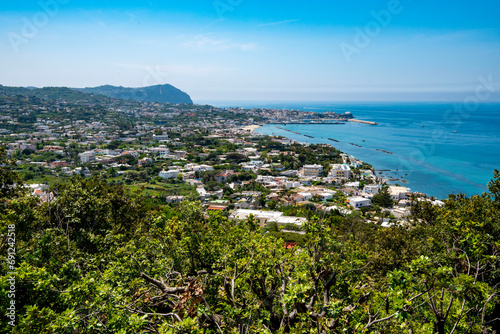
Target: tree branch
(162, 286)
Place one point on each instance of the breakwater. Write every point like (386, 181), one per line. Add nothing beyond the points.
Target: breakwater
(364, 122)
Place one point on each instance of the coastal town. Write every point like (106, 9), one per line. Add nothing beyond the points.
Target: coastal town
(250, 167)
(175, 152)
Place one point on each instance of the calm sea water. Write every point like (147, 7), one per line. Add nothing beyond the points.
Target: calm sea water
(437, 149)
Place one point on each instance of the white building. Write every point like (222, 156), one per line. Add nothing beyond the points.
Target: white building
(266, 179)
(169, 174)
(399, 193)
(342, 172)
(342, 210)
(286, 141)
(312, 170)
(306, 195)
(108, 152)
(325, 195)
(66, 171)
(88, 156)
(38, 188)
(248, 168)
(292, 184)
(349, 159)
(359, 202)
(202, 192)
(282, 220)
(180, 154)
(354, 184)
(250, 151)
(262, 216)
(371, 189)
(255, 163)
(400, 213)
(162, 137)
(198, 168)
(435, 202)
(438, 203)
(162, 151)
(174, 199)
(131, 152)
(265, 217)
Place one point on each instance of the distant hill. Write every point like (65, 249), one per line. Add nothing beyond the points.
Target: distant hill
(53, 93)
(159, 93)
(14, 90)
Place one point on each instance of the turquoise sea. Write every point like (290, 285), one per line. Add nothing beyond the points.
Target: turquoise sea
(438, 148)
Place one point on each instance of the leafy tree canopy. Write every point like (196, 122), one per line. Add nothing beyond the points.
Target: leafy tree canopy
(96, 259)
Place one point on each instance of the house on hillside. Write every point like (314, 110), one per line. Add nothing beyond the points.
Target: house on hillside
(174, 199)
(266, 217)
(223, 176)
(312, 170)
(359, 202)
(341, 172)
(169, 174)
(399, 193)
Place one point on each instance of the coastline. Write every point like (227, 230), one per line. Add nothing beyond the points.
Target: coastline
(251, 128)
(427, 152)
(378, 172)
(386, 167)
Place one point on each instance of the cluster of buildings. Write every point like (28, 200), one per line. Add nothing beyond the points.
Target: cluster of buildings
(158, 137)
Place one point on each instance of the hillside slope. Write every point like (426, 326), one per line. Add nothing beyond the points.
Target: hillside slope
(159, 93)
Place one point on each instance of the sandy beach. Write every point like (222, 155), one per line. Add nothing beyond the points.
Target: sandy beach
(251, 128)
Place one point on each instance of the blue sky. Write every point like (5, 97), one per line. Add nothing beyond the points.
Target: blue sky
(257, 50)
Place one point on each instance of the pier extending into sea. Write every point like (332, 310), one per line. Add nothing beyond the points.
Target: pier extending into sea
(364, 122)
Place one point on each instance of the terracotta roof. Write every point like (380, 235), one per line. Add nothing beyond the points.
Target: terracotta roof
(215, 207)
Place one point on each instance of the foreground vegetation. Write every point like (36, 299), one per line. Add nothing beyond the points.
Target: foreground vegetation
(97, 259)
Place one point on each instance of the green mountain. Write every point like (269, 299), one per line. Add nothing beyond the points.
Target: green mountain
(159, 93)
(52, 93)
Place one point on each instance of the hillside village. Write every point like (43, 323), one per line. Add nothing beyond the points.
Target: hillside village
(171, 153)
(250, 167)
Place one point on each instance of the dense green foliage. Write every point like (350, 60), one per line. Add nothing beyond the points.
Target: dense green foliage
(96, 259)
(8, 178)
(54, 93)
(158, 93)
(383, 198)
